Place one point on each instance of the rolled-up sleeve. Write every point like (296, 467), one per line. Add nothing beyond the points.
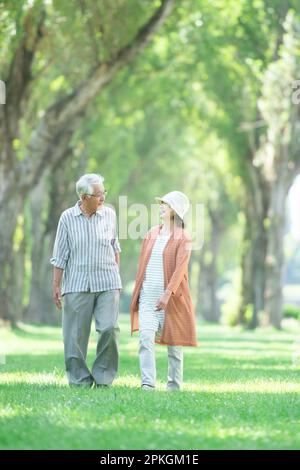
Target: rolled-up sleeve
(61, 250)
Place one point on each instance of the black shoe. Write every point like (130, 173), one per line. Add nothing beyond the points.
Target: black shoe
(82, 385)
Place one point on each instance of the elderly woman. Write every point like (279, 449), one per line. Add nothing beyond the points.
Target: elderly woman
(87, 284)
(161, 307)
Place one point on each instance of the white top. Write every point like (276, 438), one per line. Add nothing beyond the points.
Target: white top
(153, 287)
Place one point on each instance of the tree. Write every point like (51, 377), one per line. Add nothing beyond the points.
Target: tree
(249, 72)
(46, 147)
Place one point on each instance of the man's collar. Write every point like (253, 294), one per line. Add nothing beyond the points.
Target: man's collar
(77, 211)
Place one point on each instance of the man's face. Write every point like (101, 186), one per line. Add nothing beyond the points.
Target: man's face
(96, 201)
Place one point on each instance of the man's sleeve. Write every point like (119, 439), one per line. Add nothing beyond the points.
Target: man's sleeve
(115, 240)
(61, 249)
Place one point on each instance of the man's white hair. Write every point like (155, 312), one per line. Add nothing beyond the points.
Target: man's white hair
(85, 183)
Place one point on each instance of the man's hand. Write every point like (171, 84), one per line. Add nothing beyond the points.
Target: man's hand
(57, 296)
(161, 304)
(57, 277)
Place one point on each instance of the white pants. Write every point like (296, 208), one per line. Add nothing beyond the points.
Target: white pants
(148, 364)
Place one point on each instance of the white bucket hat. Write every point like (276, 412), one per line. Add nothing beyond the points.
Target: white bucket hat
(178, 201)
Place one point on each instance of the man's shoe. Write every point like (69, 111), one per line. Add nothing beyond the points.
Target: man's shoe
(82, 385)
(147, 387)
(172, 389)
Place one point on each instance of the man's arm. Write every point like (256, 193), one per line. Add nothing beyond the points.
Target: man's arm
(59, 260)
(117, 258)
(57, 277)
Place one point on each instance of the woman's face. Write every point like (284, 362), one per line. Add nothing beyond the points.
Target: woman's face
(165, 211)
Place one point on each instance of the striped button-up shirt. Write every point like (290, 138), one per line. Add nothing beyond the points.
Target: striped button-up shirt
(85, 249)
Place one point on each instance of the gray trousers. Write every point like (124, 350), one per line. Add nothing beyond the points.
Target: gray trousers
(148, 364)
(78, 311)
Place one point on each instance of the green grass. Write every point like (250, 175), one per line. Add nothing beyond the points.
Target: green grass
(241, 391)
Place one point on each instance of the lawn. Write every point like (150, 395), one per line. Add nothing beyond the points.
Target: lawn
(241, 391)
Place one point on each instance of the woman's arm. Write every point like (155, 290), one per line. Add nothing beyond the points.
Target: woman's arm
(182, 262)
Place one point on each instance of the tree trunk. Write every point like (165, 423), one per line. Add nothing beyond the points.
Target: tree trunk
(18, 270)
(275, 252)
(49, 199)
(208, 305)
(8, 280)
(253, 269)
(263, 258)
(40, 308)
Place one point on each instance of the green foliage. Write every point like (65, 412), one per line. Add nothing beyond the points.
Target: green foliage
(248, 314)
(291, 311)
(230, 306)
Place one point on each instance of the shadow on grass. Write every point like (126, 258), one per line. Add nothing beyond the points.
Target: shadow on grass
(137, 437)
(244, 338)
(39, 332)
(204, 369)
(57, 417)
(22, 333)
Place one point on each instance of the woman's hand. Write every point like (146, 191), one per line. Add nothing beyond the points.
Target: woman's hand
(162, 302)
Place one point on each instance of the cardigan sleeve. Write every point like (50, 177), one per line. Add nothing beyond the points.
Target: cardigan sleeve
(142, 252)
(182, 261)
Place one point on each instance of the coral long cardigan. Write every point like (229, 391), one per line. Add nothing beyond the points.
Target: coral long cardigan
(180, 324)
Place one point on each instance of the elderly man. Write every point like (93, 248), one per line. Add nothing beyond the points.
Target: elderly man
(86, 259)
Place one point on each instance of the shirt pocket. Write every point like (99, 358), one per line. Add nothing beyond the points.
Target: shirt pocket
(104, 235)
